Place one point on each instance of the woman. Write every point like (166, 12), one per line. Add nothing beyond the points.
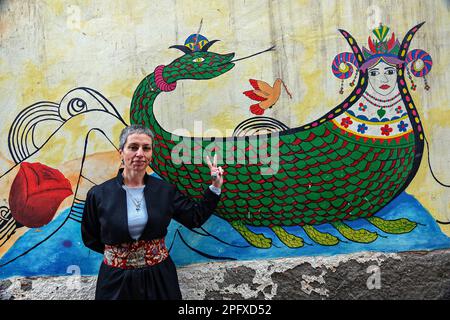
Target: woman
(380, 113)
(126, 219)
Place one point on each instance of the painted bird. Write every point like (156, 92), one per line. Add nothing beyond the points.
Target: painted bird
(263, 92)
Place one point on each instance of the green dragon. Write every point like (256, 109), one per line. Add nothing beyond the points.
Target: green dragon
(323, 175)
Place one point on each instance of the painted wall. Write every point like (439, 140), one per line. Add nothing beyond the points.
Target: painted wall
(68, 74)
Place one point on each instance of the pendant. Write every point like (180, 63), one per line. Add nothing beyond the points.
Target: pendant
(381, 112)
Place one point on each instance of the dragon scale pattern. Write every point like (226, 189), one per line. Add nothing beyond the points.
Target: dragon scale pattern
(324, 175)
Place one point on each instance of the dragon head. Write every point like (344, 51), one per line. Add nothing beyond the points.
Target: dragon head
(197, 63)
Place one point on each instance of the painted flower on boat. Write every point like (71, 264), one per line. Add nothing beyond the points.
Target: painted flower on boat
(386, 130)
(345, 122)
(402, 126)
(362, 128)
(362, 107)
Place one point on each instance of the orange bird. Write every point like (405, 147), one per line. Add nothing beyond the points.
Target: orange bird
(266, 94)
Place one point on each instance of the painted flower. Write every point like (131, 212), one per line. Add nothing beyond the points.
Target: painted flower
(346, 122)
(36, 194)
(398, 109)
(386, 130)
(362, 107)
(402, 126)
(362, 128)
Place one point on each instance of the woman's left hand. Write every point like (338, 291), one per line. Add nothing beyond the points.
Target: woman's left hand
(216, 172)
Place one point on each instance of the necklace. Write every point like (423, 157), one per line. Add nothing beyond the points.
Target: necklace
(160, 82)
(381, 100)
(137, 202)
(382, 106)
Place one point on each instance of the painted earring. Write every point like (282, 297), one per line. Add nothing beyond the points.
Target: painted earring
(354, 79)
(342, 87)
(427, 87)
(413, 85)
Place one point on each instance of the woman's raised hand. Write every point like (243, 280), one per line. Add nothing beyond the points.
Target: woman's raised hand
(216, 172)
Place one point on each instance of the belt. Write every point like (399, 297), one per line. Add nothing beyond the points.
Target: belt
(137, 254)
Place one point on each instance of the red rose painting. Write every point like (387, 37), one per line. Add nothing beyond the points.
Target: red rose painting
(36, 193)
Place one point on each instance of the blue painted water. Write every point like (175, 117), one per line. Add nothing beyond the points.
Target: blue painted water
(64, 248)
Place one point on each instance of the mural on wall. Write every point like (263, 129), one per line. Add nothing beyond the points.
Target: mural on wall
(347, 165)
(334, 185)
(36, 190)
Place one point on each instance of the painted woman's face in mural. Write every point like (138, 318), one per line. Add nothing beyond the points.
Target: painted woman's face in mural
(383, 78)
(137, 152)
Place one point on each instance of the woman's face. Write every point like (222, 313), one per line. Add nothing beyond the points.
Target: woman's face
(137, 152)
(383, 78)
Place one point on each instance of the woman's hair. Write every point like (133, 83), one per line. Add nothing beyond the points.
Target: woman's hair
(393, 61)
(132, 129)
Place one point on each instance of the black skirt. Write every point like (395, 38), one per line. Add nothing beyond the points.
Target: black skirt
(157, 282)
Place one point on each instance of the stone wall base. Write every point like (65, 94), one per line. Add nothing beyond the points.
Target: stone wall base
(363, 275)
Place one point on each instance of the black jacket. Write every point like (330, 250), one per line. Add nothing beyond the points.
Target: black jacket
(105, 212)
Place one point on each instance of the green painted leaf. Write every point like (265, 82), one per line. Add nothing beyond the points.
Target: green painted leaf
(381, 113)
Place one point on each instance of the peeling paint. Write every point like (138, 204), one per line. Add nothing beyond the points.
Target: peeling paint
(428, 274)
(265, 269)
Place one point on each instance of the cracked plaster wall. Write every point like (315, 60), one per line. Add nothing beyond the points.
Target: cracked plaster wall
(365, 275)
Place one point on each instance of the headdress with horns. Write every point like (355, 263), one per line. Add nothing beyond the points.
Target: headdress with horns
(390, 51)
(381, 49)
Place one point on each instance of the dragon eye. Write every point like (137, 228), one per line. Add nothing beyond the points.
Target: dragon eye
(200, 59)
